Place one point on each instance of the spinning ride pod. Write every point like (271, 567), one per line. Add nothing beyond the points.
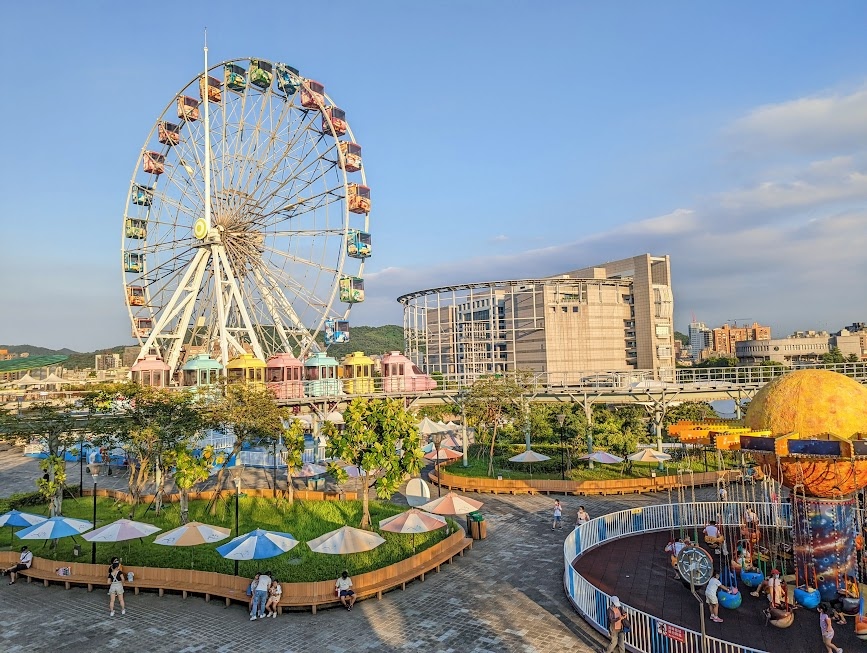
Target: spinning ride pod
(247, 207)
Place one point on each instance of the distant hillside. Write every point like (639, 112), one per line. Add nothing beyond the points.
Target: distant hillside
(684, 339)
(76, 361)
(370, 340)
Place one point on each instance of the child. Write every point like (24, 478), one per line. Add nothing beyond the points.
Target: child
(275, 593)
(558, 515)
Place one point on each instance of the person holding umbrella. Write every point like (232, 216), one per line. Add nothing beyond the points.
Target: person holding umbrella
(115, 590)
(24, 562)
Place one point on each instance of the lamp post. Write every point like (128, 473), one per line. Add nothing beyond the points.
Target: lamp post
(237, 481)
(94, 471)
(81, 464)
(561, 419)
(438, 440)
(465, 445)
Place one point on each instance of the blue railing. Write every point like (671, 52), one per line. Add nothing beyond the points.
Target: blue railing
(650, 634)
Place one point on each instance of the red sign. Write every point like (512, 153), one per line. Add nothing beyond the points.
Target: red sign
(672, 632)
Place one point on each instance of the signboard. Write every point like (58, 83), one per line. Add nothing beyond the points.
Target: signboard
(672, 632)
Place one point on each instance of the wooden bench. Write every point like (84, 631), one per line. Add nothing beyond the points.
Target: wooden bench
(234, 588)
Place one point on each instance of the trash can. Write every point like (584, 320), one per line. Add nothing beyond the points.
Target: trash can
(476, 526)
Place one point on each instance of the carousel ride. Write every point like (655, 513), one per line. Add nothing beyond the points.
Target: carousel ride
(806, 432)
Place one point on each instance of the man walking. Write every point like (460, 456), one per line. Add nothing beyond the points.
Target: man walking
(260, 596)
(616, 620)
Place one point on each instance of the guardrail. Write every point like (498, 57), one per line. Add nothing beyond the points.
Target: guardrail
(648, 633)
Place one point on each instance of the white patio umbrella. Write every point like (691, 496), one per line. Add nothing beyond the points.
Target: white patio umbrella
(417, 492)
(192, 534)
(529, 456)
(54, 528)
(15, 518)
(648, 456)
(428, 427)
(452, 504)
(344, 541)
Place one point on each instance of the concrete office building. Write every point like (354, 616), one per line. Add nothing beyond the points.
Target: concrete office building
(700, 339)
(612, 317)
(801, 347)
(724, 338)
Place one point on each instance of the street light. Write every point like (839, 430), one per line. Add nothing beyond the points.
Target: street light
(93, 470)
(438, 440)
(462, 400)
(561, 419)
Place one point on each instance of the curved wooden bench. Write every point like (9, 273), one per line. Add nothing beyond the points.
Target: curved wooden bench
(234, 588)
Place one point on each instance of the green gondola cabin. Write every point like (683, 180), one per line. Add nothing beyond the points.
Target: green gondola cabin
(261, 73)
(136, 229)
(350, 159)
(351, 290)
(169, 133)
(235, 77)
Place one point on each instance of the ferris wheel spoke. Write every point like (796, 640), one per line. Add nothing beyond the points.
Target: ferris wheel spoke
(303, 261)
(277, 302)
(300, 207)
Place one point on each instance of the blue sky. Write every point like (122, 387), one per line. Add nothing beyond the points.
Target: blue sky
(501, 140)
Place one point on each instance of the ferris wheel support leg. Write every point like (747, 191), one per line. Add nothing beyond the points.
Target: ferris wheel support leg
(220, 255)
(184, 321)
(178, 300)
(221, 309)
(272, 288)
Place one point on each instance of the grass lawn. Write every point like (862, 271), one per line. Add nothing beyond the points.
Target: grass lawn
(479, 468)
(305, 520)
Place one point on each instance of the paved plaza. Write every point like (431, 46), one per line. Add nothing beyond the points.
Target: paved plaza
(504, 595)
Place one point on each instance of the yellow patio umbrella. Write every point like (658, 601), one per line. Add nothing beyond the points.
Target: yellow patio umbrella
(193, 534)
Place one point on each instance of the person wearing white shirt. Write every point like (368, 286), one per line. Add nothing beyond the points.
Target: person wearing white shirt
(583, 516)
(260, 596)
(24, 562)
(712, 535)
(710, 591)
(343, 587)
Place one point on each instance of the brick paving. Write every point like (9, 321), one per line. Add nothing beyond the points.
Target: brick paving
(505, 595)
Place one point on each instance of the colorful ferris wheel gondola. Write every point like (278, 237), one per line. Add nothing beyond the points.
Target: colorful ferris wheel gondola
(246, 220)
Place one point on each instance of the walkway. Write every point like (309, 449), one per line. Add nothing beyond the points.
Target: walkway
(505, 595)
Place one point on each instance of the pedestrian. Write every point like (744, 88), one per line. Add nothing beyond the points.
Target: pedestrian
(260, 596)
(710, 591)
(583, 516)
(115, 589)
(251, 591)
(827, 629)
(24, 562)
(617, 621)
(723, 493)
(343, 587)
(558, 515)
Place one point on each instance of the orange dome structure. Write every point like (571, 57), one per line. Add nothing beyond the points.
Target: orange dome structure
(824, 407)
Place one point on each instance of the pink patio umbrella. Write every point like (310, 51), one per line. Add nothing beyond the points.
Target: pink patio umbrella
(452, 504)
(309, 470)
(345, 540)
(412, 521)
(121, 530)
(193, 534)
(444, 455)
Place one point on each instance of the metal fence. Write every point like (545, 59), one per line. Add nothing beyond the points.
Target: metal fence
(650, 634)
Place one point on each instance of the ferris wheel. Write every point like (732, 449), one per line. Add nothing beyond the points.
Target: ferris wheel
(247, 221)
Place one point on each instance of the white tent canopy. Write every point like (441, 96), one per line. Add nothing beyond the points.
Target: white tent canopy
(27, 380)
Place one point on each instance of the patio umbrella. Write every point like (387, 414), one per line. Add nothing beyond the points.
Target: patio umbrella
(452, 442)
(444, 454)
(428, 427)
(529, 456)
(412, 521)
(257, 545)
(602, 457)
(452, 504)
(15, 518)
(417, 492)
(193, 534)
(648, 456)
(54, 528)
(345, 540)
(121, 530)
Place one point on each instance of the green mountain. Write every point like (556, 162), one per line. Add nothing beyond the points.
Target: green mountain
(77, 360)
(684, 339)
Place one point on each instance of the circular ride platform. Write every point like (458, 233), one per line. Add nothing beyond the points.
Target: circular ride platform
(637, 570)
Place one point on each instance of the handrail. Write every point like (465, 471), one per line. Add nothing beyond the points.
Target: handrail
(592, 603)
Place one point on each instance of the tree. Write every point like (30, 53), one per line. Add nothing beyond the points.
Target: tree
(189, 470)
(719, 361)
(379, 437)
(56, 426)
(293, 441)
(852, 358)
(247, 412)
(834, 355)
(493, 400)
(149, 424)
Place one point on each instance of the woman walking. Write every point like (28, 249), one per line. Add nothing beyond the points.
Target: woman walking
(115, 589)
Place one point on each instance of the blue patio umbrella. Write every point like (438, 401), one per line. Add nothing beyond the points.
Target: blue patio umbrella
(15, 518)
(55, 528)
(257, 545)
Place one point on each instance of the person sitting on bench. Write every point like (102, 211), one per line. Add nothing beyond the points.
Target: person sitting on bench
(24, 562)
